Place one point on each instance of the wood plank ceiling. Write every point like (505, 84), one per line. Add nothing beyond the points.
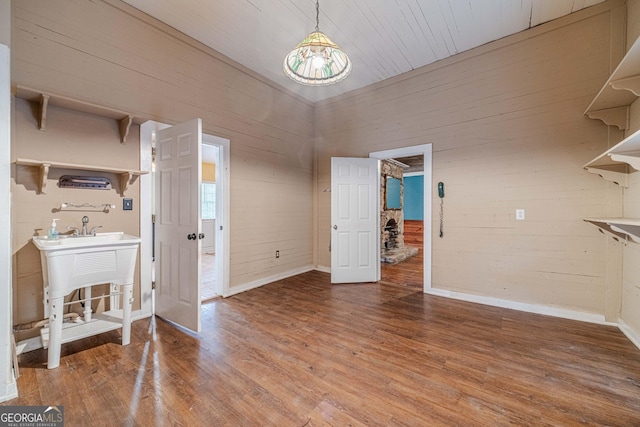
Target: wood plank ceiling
(383, 38)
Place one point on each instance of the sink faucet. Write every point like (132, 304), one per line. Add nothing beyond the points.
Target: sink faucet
(85, 221)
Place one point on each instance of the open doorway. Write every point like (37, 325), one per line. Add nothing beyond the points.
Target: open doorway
(420, 231)
(212, 211)
(402, 221)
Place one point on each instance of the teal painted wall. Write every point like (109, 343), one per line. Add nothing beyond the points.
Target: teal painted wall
(414, 197)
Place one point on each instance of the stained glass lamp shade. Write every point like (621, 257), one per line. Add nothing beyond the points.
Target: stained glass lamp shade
(317, 61)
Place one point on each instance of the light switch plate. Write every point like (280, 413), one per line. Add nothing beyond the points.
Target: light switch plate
(127, 204)
(520, 214)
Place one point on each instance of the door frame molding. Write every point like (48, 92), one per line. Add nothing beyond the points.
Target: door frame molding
(147, 129)
(8, 385)
(427, 151)
(222, 244)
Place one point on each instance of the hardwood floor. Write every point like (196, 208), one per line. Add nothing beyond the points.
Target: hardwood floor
(413, 232)
(410, 271)
(407, 273)
(301, 352)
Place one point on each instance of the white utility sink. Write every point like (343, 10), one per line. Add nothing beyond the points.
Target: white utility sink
(70, 263)
(43, 242)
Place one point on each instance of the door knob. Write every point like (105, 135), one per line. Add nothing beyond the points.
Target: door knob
(201, 236)
(191, 236)
(335, 227)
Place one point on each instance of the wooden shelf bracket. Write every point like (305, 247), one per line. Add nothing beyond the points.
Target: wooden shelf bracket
(632, 84)
(620, 178)
(126, 179)
(44, 174)
(633, 231)
(618, 117)
(125, 125)
(42, 119)
(630, 159)
(623, 230)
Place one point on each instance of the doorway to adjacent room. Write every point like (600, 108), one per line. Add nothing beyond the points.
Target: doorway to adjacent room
(417, 233)
(209, 276)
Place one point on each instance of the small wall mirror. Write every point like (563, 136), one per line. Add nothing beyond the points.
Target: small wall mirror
(392, 199)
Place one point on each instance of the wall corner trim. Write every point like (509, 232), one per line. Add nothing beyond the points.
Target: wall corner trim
(323, 269)
(632, 334)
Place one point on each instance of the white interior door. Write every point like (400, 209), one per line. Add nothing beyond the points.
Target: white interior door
(178, 176)
(355, 220)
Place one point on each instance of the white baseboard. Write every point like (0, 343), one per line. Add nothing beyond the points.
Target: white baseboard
(514, 305)
(9, 391)
(633, 335)
(266, 280)
(530, 308)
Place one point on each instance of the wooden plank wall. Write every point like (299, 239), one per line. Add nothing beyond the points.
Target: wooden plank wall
(108, 53)
(71, 137)
(508, 132)
(631, 260)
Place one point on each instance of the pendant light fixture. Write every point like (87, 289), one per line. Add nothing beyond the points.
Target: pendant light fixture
(317, 61)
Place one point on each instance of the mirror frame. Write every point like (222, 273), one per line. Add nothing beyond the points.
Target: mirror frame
(386, 194)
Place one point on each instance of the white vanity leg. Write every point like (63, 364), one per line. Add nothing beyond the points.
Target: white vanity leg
(127, 303)
(87, 304)
(55, 333)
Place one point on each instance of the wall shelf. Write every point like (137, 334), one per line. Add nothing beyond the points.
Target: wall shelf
(621, 229)
(45, 99)
(126, 176)
(611, 104)
(617, 162)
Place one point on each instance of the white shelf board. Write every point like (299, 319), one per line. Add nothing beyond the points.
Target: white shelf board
(622, 229)
(625, 153)
(45, 98)
(100, 323)
(621, 89)
(63, 165)
(126, 175)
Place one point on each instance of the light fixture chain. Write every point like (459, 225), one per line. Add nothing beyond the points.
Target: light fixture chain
(317, 15)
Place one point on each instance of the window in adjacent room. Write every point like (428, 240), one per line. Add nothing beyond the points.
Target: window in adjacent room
(208, 200)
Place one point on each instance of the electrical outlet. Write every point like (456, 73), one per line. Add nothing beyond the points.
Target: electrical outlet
(127, 204)
(520, 214)
(277, 254)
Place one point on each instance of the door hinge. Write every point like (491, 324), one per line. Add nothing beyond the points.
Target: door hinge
(153, 219)
(153, 284)
(153, 154)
